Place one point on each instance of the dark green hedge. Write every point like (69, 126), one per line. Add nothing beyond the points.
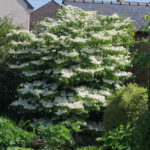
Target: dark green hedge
(9, 80)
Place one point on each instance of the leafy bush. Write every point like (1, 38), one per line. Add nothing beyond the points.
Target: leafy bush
(126, 105)
(58, 136)
(12, 135)
(130, 136)
(141, 133)
(8, 78)
(117, 139)
(72, 65)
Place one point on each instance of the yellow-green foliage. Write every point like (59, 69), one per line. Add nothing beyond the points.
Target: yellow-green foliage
(127, 104)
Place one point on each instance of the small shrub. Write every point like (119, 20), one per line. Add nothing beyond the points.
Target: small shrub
(126, 105)
(12, 135)
(56, 136)
(117, 139)
(141, 133)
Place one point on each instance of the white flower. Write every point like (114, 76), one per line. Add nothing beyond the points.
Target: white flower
(69, 54)
(60, 112)
(89, 70)
(123, 74)
(87, 50)
(90, 93)
(102, 36)
(13, 66)
(49, 93)
(67, 73)
(113, 48)
(115, 16)
(53, 36)
(59, 61)
(47, 58)
(106, 93)
(23, 102)
(47, 104)
(109, 67)
(79, 40)
(24, 65)
(19, 66)
(73, 54)
(25, 43)
(98, 97)
(30, 74)
(38, 83)
(94, 60)
(108, 81)
(61, 101)
(28, 89)
(36, 62)
(76, 105)
(118, 86)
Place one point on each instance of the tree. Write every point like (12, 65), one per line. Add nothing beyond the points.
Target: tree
(71, 65)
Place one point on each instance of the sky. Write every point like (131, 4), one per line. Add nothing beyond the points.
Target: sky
(38, 3)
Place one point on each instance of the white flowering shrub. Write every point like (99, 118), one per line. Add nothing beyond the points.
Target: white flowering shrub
(72, 64)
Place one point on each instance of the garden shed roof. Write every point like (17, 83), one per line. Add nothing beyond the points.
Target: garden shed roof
(134, 10)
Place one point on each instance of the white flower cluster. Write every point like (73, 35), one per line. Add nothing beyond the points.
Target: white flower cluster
(63, 101)
(89, 70)
(19, 66)
(91, 93)
(113, 48)
(69, 54)
(67, 73)
(123, 73)
(30, 74)
(25, 104)
(94, 60)
(102, 36)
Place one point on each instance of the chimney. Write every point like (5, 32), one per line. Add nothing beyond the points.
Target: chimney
(120, 1)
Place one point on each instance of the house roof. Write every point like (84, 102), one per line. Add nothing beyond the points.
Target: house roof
(48, 10)
(28, 4)
(134, 10)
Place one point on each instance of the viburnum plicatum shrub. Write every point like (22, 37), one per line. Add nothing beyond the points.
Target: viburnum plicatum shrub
(72, 64)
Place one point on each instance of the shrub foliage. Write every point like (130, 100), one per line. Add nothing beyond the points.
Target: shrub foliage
(12, 135)
(8, 78)
(126, 105)
(117, 139)
(141, 133)
(72, 64)
(56, 136)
